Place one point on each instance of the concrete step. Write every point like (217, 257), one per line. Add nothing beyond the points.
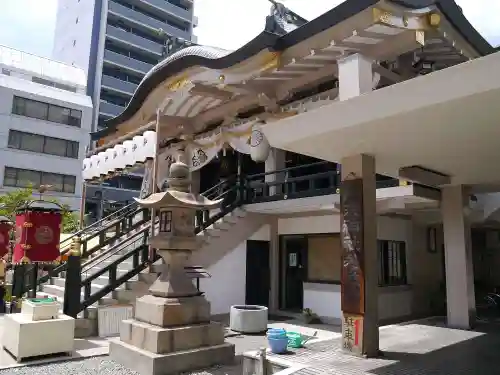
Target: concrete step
(58, 290)
(238, 212)
(212, 232)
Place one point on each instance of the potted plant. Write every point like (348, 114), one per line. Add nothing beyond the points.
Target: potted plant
(310, 317)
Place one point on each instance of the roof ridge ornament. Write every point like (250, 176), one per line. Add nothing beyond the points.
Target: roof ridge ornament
(282, 20)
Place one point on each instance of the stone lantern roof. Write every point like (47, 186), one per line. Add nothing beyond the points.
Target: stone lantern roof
(178, 193)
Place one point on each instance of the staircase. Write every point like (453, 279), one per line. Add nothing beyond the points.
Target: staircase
(226, 234)
(116, 267)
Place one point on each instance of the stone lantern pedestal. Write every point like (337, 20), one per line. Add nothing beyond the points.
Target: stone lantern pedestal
(171, 331)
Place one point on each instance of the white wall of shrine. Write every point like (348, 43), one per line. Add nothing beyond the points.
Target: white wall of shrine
(227, 285)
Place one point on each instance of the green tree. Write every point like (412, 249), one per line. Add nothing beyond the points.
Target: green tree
(15, 199)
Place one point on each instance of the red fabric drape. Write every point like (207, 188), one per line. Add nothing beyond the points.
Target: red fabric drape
(5, 229)
(37, 236)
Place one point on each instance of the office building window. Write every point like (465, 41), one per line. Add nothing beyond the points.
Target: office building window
(43, 144)
(392, 263)
(16, 177)
(47, 112)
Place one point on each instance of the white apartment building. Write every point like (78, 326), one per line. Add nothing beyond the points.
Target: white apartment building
(45, 120)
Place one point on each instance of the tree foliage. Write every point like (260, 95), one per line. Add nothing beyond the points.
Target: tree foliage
(15, 199)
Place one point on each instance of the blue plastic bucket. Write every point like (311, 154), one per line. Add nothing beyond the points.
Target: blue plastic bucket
(278, 345)
(276, 332)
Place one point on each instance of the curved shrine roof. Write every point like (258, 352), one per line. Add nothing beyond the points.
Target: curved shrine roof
(256, 59)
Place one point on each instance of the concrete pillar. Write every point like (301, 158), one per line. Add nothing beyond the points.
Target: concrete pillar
(360, 258)
(460, 298)
(355, 76)
(275, 161)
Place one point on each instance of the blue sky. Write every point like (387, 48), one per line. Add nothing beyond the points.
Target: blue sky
(29, 24)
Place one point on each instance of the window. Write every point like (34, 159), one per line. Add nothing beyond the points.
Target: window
(17, 177)
(45, 111)
(42, 144)
(6, 71)
(324, 256)
(392, 263)
(74, 42)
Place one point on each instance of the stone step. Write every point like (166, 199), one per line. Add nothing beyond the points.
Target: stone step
(58, 291)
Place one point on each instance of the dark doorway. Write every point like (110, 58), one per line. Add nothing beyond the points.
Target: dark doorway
(258, 273)
(293, 265)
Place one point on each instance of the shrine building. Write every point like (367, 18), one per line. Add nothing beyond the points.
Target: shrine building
(356, 154)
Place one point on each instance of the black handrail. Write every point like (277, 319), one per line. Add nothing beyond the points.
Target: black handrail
(121, 212)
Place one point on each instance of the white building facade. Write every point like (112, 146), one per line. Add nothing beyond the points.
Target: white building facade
(45, 122)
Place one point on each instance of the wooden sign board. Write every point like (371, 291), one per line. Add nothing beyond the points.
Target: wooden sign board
(352, 231)
(352, 334)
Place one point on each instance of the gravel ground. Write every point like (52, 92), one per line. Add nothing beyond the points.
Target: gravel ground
(103, 366)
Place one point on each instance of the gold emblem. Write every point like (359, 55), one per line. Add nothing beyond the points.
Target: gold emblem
(44, 235)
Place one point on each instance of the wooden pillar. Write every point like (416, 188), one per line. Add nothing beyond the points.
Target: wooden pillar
(154, 187)
(82, 205)
(359, 257)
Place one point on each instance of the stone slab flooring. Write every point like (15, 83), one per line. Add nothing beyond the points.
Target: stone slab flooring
(421, 348)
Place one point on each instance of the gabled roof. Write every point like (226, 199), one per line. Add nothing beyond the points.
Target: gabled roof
(270, 40)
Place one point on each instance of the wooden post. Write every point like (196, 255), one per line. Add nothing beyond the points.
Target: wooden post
(72, 286)
(82, 205)
(154, 186)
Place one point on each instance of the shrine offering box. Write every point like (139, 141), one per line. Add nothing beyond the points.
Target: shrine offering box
(40, 308)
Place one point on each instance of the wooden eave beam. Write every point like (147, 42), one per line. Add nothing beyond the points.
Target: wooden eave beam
(307, 80)
(211, 92)
(386, 73)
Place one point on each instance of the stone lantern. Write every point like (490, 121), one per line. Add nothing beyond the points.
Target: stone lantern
(171, 331)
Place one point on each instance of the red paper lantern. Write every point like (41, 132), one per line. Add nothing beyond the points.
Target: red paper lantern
(38, 230)
(5, 228)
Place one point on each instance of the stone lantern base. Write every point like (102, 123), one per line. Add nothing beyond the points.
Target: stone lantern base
(170, 335)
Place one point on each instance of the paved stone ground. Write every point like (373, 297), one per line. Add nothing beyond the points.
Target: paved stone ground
(409, 349)
(102, 366)
(412, 349)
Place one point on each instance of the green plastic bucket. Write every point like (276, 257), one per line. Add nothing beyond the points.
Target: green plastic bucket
(295, 340)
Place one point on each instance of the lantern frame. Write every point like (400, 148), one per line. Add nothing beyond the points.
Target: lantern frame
(94, 168)
(129, 154)
(22, 234)
(119, 158)
(149, 145)
(165, 221)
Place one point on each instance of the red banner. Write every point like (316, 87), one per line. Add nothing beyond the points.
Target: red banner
(5, 228)
(37, 236)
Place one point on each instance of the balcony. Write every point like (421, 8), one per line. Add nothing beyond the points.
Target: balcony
(145, 21)
(117, 84)
(110, 109)
(126, 62)
(134, 40)
(170, 9)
